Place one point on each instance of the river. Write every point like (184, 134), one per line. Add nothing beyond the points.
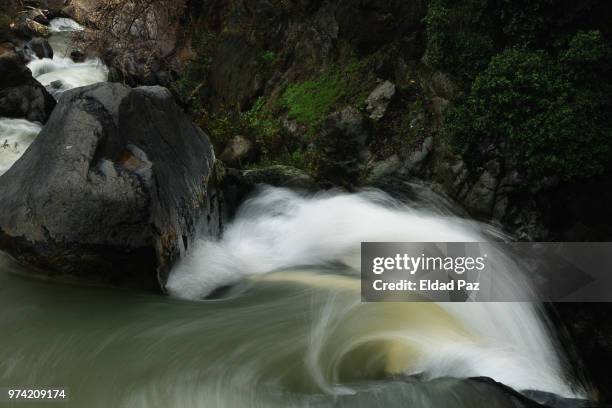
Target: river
(291, 330)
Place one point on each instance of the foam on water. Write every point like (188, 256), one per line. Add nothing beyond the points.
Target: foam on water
(59, 25)
(60, 73)
(16, 135)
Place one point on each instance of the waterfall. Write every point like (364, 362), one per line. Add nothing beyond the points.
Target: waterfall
(315, 241)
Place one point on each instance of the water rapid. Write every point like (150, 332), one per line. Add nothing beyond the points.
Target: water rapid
(58, 75)
(61, 73)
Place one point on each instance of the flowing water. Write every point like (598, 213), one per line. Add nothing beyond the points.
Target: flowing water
(61, 73)
(290, 331)
(57, 75)
(15, 137)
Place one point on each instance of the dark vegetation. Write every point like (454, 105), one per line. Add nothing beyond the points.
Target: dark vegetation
(537, 81)
(533, 80)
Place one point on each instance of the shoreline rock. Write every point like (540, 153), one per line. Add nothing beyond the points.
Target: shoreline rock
(22, 96)
(112, 190)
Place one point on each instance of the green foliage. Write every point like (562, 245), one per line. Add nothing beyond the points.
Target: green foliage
(462, 36)
(260, 125)
(269, 56)
(587, 56)
(526, 103)
(257, 124)
(457, 40)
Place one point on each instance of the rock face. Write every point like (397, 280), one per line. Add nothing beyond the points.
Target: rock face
(239, 151)
(21, 96)
(112, 189)
(237, 184)
(341, 147)
(379, 99)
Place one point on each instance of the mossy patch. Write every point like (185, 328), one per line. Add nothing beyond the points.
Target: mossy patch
(310, 101)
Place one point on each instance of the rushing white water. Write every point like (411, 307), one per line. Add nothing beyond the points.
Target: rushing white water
(61, 73)
(60, 25)
(282, 231)
(15, 137)
(58, 75)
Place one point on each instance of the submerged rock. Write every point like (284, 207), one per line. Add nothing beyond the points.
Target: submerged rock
(40, 47)
(78, 56)
(22, 96)
(112, 189)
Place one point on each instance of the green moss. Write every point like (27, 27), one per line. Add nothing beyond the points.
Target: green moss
(310, 101)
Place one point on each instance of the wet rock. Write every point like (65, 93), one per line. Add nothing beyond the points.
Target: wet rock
(76, 12)
(341, 148)
(416, 159)
(53, 6)
(77, 56)
(56, 84)
(27, 28)
(21, 96)
(40, 47)
(239, 184)
(136, 69)
(239, 151)
(38, 15)
(384, 168)
(112, 189)
(378, 101)
(480, 197)
(7, 47)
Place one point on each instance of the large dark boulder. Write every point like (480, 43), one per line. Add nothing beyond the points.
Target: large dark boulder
(112, 189)
(22, 96)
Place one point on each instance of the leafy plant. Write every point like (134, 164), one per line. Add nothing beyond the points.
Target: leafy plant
(527, 105)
